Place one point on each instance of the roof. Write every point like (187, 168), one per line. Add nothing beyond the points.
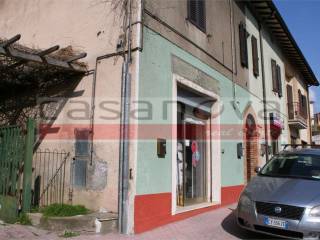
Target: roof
(268, 13)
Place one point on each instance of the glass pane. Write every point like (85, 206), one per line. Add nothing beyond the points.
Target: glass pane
(195, 162)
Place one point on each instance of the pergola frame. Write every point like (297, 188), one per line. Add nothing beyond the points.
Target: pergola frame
(27, 75)
(7, 49)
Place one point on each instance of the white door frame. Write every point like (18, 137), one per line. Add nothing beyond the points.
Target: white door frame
(214, 181)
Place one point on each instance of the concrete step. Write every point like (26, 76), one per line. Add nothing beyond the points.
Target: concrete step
(100, 223)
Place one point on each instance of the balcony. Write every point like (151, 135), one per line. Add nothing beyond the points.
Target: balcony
(298, 116)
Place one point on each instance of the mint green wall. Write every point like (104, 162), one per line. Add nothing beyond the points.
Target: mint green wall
(154, 174)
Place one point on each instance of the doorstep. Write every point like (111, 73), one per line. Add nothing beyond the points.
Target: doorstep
(195, 207)
(80, 223)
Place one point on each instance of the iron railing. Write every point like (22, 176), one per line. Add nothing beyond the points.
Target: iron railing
(297, 112)
(11, 159)
(49, 177)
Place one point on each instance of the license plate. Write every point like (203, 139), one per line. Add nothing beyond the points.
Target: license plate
(276, 223)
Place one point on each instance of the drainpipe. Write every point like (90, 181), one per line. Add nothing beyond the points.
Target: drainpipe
(232, 54)
(124, 92)
(309, 112)
(93, 107)
(124, 133)
(264, 95)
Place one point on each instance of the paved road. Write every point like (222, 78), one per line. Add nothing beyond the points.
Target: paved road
(217, 224)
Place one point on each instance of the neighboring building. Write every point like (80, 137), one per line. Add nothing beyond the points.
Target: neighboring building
(316, 119)
(72, 113)
(315, 124)
(214, 86)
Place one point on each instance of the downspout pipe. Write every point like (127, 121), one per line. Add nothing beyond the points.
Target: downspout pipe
(309, 114)
(125, 91)
(124, 133)
(93, 94)
(265, 114)
(233, 53)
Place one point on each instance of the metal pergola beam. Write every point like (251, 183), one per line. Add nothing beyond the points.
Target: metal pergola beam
(10, 41)
(48, 51)
(77, 57)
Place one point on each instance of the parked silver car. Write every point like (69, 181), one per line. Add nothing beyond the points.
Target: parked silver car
(284, 198)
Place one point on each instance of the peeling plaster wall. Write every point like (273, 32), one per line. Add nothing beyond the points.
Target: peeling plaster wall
(92, 27)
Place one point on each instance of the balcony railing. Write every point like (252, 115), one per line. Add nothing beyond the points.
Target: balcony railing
(298, 115)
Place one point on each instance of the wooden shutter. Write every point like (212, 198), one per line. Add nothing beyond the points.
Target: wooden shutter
(255, 58)
(300, 101)
(274, 75)
(197, 13)
(304, 106)
(299, 97)
(290, 102)
(279, 81)
(243, 45)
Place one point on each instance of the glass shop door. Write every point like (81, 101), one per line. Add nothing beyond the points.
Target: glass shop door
(191, 160)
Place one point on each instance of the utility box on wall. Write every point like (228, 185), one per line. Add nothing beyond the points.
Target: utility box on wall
(240, 150)
(161, 148)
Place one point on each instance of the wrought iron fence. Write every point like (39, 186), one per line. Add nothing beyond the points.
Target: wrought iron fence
(11, 159)
(49, 177)
(297, 111)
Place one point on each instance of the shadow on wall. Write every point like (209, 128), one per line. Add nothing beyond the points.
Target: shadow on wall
(41, 100)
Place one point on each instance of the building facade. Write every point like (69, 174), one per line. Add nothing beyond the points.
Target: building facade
(216, 88)
(247, 79)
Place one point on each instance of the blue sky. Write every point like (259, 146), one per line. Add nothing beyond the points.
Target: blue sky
(303, 20)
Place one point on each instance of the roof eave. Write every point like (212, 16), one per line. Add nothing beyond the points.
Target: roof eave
(312, 79)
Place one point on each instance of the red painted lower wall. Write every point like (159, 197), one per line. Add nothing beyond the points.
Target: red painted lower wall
(154, 210)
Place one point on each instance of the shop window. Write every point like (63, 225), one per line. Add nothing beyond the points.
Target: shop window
(197, 13)
(192, 146)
